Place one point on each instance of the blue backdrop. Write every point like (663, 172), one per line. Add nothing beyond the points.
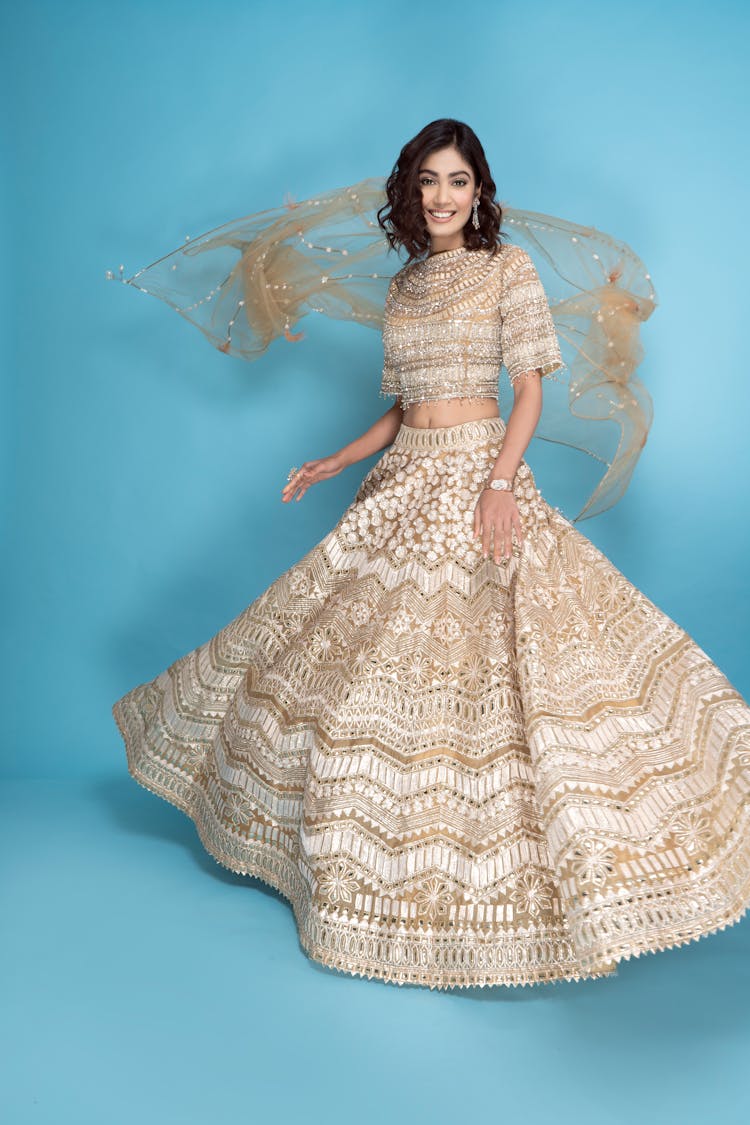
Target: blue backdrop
(143, 505)
(141, 510)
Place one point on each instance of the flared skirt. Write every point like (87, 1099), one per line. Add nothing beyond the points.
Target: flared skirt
(459, 772)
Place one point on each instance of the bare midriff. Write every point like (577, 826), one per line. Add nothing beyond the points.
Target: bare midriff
(449, 412)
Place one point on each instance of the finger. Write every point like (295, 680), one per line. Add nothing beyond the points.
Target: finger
(502, 539)
(495, 533)
(294, 486)
(486, 539)
(508, 539)
(306, 479)
(499, 542)
(518, 528)
(291, 484)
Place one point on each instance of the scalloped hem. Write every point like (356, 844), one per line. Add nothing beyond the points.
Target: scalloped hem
(322, 938)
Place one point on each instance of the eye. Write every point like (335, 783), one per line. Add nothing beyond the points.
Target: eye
(425, 180)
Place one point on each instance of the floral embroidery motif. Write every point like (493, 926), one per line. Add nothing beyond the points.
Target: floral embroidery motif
(593, 862)
(459, 736)
(150, 702)
(531, 893)
(338, 882)
(416, 669)
(691, 830)
(447, 630)
(240, 808)
(402, 623)
(359, 613)
(299, 582)
(434, 898)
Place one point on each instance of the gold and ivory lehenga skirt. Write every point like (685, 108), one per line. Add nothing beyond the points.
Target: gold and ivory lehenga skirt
(458, 772)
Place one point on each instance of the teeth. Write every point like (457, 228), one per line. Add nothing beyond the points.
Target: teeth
(442, 214)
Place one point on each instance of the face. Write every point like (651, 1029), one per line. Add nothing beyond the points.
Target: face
(448, 190)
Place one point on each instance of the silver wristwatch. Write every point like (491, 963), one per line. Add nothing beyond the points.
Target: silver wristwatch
(500, 484)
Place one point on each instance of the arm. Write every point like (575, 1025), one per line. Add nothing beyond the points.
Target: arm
(531, 351)
(379, 435)
(522, 421)
(496, 514)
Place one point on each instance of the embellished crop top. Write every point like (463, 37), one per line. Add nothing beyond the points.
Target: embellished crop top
(452, 319)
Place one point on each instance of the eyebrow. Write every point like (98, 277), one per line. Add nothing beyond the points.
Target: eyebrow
(432, 172)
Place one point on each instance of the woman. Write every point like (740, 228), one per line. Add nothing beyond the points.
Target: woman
(454, 736)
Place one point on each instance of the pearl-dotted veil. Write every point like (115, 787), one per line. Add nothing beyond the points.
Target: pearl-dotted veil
(247, 282)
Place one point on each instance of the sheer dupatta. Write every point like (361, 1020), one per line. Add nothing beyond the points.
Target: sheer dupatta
(252, 279)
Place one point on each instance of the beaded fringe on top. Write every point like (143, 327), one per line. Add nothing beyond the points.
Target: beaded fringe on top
(459, 773)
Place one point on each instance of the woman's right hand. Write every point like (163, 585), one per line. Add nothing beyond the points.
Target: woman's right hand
(310, 473)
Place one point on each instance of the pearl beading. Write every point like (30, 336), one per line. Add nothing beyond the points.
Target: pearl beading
(453, 318)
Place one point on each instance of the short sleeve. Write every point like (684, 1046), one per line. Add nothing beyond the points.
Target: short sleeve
(527, 333)
(390, 382)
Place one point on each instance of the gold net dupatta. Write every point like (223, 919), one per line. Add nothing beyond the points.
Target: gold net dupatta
(248, 282)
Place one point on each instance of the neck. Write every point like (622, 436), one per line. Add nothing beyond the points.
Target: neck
(439, 245)
(445, 250)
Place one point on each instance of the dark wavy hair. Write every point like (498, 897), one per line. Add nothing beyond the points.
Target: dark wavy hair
(402, 218)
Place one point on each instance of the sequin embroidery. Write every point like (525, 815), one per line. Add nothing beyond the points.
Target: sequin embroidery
(452, 319)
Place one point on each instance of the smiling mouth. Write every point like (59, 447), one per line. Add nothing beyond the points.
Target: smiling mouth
(441, 216)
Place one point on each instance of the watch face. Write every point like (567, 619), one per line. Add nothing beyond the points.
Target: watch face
(499, 485)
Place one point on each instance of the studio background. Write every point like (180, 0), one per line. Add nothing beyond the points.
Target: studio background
(141, 484)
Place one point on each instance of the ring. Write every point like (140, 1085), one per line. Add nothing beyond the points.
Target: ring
(292, 472)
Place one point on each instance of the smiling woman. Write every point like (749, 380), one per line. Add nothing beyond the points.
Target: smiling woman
(447, 199)
(454, 735)
(440, 181)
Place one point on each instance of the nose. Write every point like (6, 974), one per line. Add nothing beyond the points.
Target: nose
(441, 200)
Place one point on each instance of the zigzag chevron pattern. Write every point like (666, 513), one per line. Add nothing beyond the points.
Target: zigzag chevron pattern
(459, 773)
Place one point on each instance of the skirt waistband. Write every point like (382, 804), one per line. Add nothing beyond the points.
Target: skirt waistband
(462, 436)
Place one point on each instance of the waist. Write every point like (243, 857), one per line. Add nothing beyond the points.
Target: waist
(449, 410)
(464, 435)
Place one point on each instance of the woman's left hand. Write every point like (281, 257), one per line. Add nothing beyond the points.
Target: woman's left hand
(496, 517)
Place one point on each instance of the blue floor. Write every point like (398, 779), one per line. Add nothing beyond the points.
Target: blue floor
(145, 983)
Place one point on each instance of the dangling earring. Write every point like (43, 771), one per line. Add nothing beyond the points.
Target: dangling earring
(475, 213)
